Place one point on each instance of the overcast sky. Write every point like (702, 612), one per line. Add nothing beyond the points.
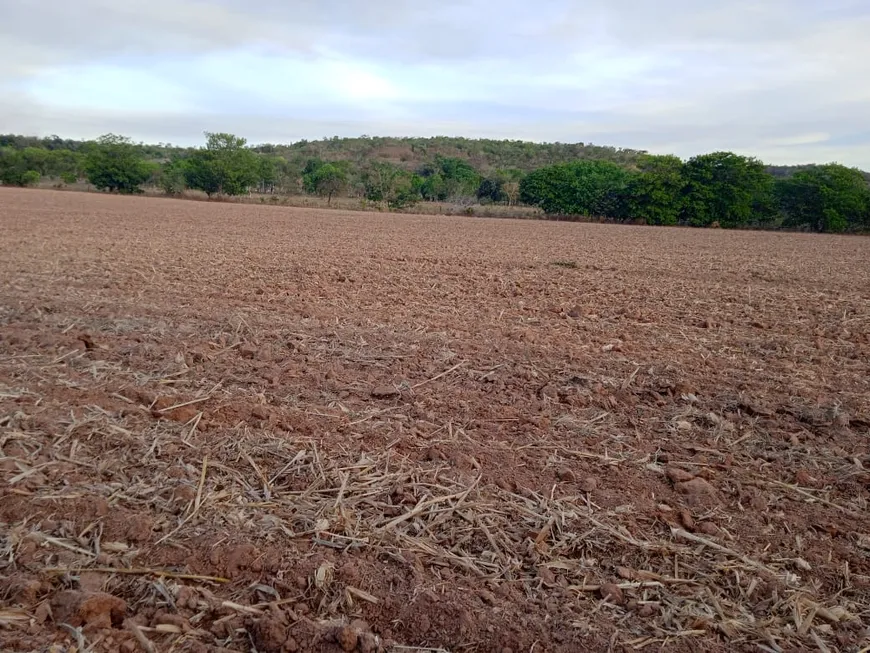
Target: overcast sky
(785, 80)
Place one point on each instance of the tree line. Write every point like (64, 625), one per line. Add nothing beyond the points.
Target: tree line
(720, 189)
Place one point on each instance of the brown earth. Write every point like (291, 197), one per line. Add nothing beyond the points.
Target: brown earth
(239, 428)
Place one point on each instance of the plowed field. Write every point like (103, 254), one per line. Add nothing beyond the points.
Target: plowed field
(240, 428)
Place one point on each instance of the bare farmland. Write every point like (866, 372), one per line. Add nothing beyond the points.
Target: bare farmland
(230, 428)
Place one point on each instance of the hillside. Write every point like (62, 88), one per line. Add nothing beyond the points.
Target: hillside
(409, 153)
(485, 155)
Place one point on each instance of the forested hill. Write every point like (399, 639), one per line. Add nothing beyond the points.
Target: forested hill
(485, 155)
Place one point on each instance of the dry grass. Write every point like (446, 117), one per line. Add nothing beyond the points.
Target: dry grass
(338, 203)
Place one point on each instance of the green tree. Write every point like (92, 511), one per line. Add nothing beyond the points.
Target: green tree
(830, 198)
(15, 168)
(591, 188)
(655, 194)
(432, 186)
(11, 166)
(116, 164)
(308, 174)
(329, 180)
(38, 159)
(64, 162)
(173, 177)
(267, 173)
(448, 178)
(385, 182)
(379, 180)
(492, 189)
(460, 179)
(69, 178)
(224, 167)
(288, 175)
(727, 189)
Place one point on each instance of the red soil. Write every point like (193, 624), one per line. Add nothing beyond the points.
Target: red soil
(233, 428)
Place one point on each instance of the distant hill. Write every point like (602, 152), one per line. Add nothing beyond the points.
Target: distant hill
(485, 155)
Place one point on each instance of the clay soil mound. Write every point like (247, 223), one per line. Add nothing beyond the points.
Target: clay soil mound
(241, 428)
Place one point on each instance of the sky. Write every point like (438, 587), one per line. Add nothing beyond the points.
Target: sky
(783, 80)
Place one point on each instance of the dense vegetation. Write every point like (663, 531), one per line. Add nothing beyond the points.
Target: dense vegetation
(721, 189)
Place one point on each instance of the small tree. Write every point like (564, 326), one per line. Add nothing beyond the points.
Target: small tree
(328, 180)
(491, 189)
(267, 173)
(379, 180)
(224, 167)
(115, 164)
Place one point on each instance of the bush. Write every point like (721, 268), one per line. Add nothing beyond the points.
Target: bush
(68, 178)
(30, 178)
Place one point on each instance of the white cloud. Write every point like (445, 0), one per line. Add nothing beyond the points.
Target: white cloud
(782, 79)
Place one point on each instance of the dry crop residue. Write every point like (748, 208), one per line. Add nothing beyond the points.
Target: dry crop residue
(234, 428)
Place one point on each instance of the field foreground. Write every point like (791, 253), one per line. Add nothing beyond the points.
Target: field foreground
(238, 428)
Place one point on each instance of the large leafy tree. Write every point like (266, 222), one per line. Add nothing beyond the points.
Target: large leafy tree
(727, 189)
(224, 167)
(116, 164)
(830, 197)
(655, 194)
(591, 188)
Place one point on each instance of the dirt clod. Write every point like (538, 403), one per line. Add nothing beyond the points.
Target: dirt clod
(260, 412)
(384, 392)
(92, 610)
(613, 593)
(248, 350)
(565, 474)
(589, 484)
(696, 487)
(678, 475)
(347, 637)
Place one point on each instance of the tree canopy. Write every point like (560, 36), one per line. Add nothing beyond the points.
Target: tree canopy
(225, 166)
(830, 197)
(590, 188)
(655, 193)
(114, 163)
(726, 189)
